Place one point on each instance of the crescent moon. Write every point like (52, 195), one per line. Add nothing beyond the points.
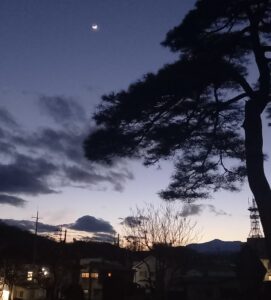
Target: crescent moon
(94, 27)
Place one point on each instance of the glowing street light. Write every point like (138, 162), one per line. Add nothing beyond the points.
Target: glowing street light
(5, 295)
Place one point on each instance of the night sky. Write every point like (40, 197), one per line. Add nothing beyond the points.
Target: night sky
(54, 69)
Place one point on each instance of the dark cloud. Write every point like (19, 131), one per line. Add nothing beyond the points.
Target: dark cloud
(11, 200)
(39, 162)
(78, 174)
(26, 175)
(66, 158)
(6, 118)
(91, 224)
(268, 114)
(30, 225)
(99, 229)
(217, 212)
(132, 221)
(99, 238)
(117, 178)
(58, 142)
(6, 148)
(2, 133)
(83, 175)
(62, 110)
(192, 209)
(197, 209)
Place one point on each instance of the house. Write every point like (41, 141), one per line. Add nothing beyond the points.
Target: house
(179, 274)
(28, 292)
(145, 272)
(156, 269)
(24, 282)
(102, 279)
(212, 282)
(259, 247)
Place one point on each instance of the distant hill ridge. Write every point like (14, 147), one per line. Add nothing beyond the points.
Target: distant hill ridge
(13, 238)
(217, 246)
(18, 244)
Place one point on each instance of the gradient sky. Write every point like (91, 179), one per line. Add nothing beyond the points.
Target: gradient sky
(54, 69)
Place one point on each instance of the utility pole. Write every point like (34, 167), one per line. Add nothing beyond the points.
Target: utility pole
(36, 222)
(61, 234)
(118, 241)
(37, 218)
(65, 236)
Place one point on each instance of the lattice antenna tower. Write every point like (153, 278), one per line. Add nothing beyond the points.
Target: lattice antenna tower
(255, 229)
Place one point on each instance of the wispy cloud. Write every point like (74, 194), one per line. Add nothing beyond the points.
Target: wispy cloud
(217, 212)
(100, 238)
(132, 221)
(63, 110)
(7, 119)
(43, 161)
(192, 209)
(197, 209)
(11, 200)
(30, 225)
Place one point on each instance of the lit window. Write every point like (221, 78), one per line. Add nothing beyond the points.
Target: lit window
(85, 275)
(109, 274)
(5, 293)
(29, 276)
(94, 275)
(269, 277)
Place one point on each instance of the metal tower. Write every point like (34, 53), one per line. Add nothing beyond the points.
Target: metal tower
(255, 229)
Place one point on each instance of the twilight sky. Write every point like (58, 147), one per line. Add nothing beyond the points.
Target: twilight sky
(54, 69)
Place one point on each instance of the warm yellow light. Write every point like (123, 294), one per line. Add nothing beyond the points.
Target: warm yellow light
(29, 276)
(94, 275)
(5, 295)
(109, 274)
(85, 275)
(45, 271)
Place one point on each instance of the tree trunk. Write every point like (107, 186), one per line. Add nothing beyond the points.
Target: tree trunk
(255, 167)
